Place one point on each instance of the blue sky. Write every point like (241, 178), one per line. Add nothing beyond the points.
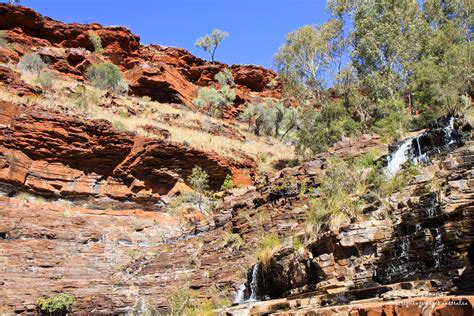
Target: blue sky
(257, 27)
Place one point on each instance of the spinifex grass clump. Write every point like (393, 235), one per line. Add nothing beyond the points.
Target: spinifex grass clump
(266, 247)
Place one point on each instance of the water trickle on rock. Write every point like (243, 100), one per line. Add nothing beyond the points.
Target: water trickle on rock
(438, 247)
(241, 296)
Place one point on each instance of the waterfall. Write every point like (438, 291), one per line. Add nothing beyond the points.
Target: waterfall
(240, 296)
(398, 158)
(254, 284)
(411, 148)
(450, 132)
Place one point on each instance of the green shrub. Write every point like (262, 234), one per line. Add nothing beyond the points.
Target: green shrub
(228, 183)
(320, 129)
(367, 160)
(199, 181)
(216, 100)
(60, 303)
(107, 76)
(225, 77)
(297, 242)
(271, 118)
(266, 247)
(3, 39)
(392, 120)
(213, 100)
(96, 41)
(383, 186)
(31, 63)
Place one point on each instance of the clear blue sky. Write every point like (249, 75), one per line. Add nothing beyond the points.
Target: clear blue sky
(257, 27)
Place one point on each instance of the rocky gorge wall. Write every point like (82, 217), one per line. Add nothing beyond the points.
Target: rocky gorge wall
(165, 74)
(49, 153)
(86, 209)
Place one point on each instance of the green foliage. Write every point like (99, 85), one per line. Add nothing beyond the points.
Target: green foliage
(410, 62)
(96, 41)
(3, 39)
(266, 247)
(305, 59)
(60, 303)
(367, 160)
(228, 183)
(320, 129)
(225, 77)
(383, 186)
(297, 243)
(199, 181)
(391, 120)
(107, 76)
(210, 42)
(216, 100)
(31, 62)
(420, 51)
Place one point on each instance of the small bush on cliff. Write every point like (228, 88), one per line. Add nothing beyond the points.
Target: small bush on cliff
(199, 181)
(225, 77)
(56, 304)
(107, 76)
(215, 100)
(228, 183)
(3, 39)
(210, 42)
(31, 63)
(96, 41)
(266, 247)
